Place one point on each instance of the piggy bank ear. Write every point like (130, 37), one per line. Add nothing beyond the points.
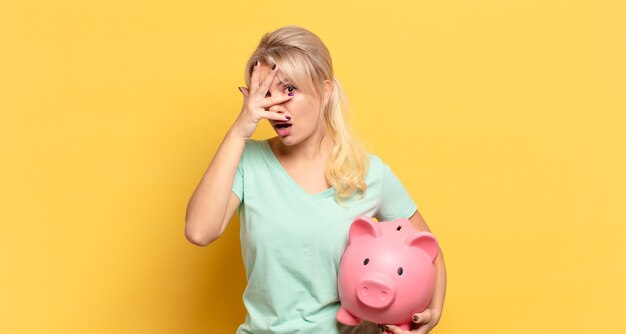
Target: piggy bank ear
(426, 242)
(364, 225)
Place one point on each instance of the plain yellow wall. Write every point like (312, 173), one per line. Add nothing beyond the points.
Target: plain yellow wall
(504, 119)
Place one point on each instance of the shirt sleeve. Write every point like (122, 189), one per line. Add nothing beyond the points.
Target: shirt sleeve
(395, 201)
(238, 181)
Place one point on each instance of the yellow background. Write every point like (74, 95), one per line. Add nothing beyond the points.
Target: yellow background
(504, 119)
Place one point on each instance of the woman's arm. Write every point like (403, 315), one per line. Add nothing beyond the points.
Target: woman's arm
(428, 319)
(213, 203)
(436, 304)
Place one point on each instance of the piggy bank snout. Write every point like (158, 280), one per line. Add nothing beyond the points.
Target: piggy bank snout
(376, 291)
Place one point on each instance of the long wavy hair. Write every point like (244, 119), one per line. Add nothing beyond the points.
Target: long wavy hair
(305, 61)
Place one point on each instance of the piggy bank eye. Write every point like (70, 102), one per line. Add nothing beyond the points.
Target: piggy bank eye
(400, 271)
(367, 260)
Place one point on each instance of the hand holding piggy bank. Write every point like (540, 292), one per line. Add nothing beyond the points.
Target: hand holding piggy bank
(386, 273)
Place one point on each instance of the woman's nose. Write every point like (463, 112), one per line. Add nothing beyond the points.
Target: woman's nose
(277, 109)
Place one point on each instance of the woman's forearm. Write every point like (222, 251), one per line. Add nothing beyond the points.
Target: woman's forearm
(439, 295)
(206, 209)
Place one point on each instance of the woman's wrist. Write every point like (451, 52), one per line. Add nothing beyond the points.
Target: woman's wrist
(234, 134)
(436, 315)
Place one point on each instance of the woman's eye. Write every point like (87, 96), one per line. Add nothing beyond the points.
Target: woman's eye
(289, 89)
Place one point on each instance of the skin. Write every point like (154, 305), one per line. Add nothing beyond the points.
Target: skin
(213, 203)
(303, 154)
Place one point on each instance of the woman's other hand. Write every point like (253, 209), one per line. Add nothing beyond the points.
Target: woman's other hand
(424, 323)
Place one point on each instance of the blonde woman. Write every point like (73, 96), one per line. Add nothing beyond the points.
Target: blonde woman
(298, 192)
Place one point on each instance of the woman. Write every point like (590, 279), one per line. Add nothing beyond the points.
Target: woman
(298, 192)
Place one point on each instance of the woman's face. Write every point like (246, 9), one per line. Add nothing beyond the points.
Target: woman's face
(307, 121)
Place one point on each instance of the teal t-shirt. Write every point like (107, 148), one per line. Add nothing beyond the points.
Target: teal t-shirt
(292, 241)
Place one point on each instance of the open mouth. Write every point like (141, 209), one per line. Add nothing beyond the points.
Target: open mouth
(282, 125)
(283, 129)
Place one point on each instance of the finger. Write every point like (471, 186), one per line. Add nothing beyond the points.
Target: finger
(422, 318)
(425, 329)
(271, 101)
(244, 91)
(254, 78)
(265, 86)
(274, 116)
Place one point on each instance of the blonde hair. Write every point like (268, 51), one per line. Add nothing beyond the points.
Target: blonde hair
(305, 61)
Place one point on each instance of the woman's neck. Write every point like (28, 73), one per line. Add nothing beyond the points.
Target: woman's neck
(308, 151)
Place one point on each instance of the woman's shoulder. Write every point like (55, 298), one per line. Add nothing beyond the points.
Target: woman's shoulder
(375, 161)
(254, 146)
(253, 152)
(254, 143)
(376, 166)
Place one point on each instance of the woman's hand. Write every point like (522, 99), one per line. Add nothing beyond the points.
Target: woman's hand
(424, 323)
(255, 103)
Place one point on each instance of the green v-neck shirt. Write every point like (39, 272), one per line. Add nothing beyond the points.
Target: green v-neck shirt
(292, 241)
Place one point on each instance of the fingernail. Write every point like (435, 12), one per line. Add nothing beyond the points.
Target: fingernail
(288, 117)
(291, 94)
(415, 318)
(273, 67)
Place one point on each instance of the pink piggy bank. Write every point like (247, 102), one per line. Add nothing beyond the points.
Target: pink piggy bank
(386, 273)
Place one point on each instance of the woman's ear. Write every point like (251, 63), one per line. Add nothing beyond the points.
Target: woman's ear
(328, 90)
